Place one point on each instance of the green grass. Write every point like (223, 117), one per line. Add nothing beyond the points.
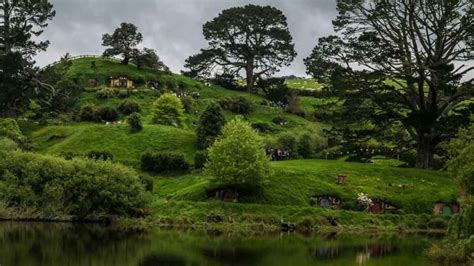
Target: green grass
(294, 182)
(304, 84)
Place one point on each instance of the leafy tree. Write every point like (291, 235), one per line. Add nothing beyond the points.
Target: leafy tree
(148, 58)
(134, 120)
(237, 158)
(123, 42)
(209, 125)
(253, 38)
(393, 63)
(305, 146)
(168, 110)
(15, 84)
(23, 22)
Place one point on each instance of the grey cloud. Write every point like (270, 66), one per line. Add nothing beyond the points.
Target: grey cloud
(173, 27)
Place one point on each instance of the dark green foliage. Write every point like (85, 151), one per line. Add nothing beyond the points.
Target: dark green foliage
(161, 162)
(53, 186)
(128, 107)
(238, 105)
(106, 93)
(200, 159)
(209, 125)
(231, 50)
(9, 128)
(123, 94)
(262, 127)
(279, 120)
(276, 90)
(437, 223)
(305, 146)
(108, 114)
(134, 120)
(99, 155)
(123, 42)
(98, 114)
(147, 182)
(288, 142)
(187, 102)
(16, 87)
(399, 78)
(227, 81)
(147, 58)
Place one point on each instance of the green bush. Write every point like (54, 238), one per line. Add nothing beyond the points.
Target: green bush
(89, 113)
(53, 186)
(238, 158)
(209, 125)
(123, 94)
(187, 102)
(200, 159)
(127, 107)
(135, 122)
(161, 162)
(237, 104)
(9, 128)
(147, 182)
(305, 146)
(288, 142)
(262, 127)
(108, 114)
(99, 155)
(106, 93)
(168, 110)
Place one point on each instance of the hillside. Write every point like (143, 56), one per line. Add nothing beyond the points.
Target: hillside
(287, 192)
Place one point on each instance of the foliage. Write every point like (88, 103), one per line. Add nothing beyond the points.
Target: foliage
(106, 93)
(99, 155)
(134, 120)
(288, 142)
(364, 200)
(276, 90)
(200, 159)
(9, 128)
(187, 102)
(305, 146)
(399, 77)
(168, 110)
(161, 162)
(237, 158)
(108, 114)
(123, 42)
(209, 125)
(238, 105)
(128, 107)
(16, 86)
(461, 163)
(231, 51)
(53, 186)
(98, 114)
(147, 58)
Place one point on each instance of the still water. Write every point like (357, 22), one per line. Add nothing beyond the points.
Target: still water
(66, 244)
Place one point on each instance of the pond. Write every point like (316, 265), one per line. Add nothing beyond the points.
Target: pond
(70, 245)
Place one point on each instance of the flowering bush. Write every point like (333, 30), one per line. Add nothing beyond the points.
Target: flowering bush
(364, 200)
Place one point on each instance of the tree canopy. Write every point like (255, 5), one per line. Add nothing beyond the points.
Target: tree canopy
(123, 42)
(252, 38)
(400, 63)
(148, 58)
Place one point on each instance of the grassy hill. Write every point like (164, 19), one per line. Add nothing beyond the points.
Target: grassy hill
(286, 193)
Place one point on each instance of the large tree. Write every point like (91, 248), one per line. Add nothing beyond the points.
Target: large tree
(123, 42)
(401, 63)
(23, 23)
(148, 58)
(253, 38)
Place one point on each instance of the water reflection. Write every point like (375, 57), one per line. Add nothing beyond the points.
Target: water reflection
(66, 244)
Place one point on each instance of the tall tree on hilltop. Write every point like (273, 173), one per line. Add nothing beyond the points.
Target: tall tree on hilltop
(401, 63)
(254, 39)
(123, 42)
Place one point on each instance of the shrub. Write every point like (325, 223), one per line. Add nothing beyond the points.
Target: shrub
(168, 110)
(288, 142)
(127, 107)
(106, 93)
(99, 155)
(238, 158)
(276, 90)
(160, 162)
(239, 105)
(262, 127)
(305, 146)
(9, 128)
(209, 125)
(187, 102)
(53, 186)
(108, 114)
(147, 182)
(294, 108)
(123, 94)
(279, 120)
(200, 159)
(89, 113)
(438, 223)
(135, 122)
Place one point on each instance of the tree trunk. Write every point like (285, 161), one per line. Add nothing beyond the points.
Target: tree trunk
(125, 60)
(249, 73)
(425, 153)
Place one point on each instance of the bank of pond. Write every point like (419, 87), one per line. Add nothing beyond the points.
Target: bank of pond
(92, 244)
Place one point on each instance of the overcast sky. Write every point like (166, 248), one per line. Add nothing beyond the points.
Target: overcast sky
(173, 27)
